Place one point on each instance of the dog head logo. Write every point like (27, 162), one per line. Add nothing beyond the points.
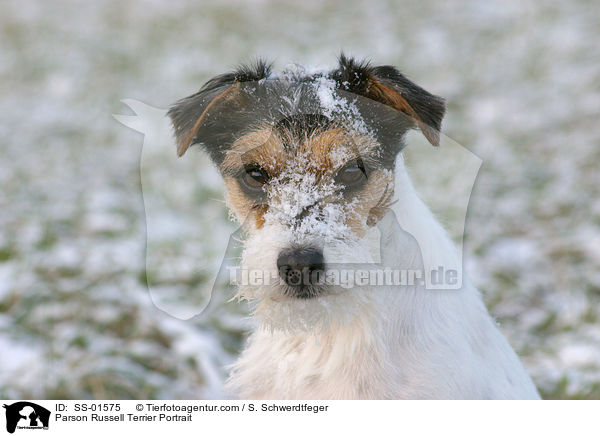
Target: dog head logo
(26, 415)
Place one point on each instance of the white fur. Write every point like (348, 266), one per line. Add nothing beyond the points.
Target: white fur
(376, 342)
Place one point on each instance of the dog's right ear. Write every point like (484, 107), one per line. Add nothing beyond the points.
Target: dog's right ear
(196, 118)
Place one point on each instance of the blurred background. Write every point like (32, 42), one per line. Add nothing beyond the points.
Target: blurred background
(522, 81)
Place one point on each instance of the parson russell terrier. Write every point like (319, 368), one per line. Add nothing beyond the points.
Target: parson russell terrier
(311, 163)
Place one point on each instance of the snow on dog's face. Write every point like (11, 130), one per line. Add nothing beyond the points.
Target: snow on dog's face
(308, 197)
(307, 160)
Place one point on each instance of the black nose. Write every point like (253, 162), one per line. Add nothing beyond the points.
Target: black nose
(301, 267)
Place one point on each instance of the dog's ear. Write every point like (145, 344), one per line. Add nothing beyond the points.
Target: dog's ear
(387, 85)
(190, 116)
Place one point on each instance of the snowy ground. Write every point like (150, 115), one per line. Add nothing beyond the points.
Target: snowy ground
(522, 82)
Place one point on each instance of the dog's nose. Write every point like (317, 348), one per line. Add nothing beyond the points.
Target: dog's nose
(300, 267)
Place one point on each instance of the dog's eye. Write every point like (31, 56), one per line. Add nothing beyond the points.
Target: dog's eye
(352, 175)
(254, 178)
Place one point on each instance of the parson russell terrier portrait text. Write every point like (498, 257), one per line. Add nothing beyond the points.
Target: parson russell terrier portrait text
(311, 164)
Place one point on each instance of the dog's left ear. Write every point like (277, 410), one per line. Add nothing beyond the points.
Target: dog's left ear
(387, 85)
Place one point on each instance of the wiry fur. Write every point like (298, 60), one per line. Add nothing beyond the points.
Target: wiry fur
(366, 342)
(391, 343)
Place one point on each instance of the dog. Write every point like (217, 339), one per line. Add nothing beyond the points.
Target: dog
(312, 162)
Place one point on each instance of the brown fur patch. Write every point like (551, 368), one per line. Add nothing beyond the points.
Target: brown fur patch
(261, 147)
(274, 151)
(260, 211)
(373, 202)
(320, 147)
(245, 209)
(387, 95)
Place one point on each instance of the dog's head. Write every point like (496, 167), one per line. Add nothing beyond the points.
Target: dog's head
(308, 160)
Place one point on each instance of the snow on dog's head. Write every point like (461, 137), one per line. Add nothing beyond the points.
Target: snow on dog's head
(308, 160)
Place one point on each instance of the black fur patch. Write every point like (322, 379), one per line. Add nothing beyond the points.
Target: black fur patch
(355, 76)
(303, 125)
(187, 111)
(261, 98)
(352, 75)
(258, 70)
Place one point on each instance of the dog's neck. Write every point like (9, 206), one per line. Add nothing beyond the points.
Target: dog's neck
(343, 361)
(412, 345)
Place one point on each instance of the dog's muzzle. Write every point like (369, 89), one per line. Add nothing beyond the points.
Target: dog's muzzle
(302, 269)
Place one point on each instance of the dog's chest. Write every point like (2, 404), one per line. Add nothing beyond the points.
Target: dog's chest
(338, 365)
